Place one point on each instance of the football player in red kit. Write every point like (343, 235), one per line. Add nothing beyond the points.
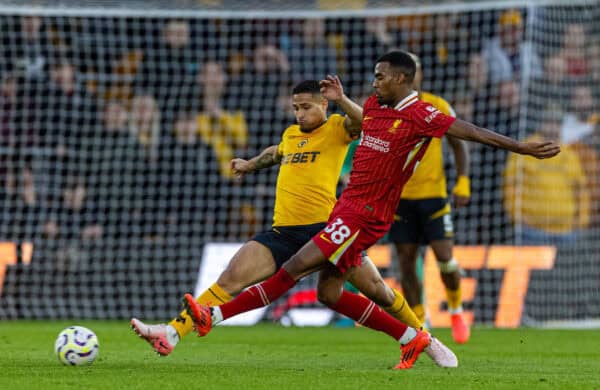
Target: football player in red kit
(397, 128)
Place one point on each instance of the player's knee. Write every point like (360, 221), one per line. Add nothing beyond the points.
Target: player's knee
(448, 267)
(328, 296)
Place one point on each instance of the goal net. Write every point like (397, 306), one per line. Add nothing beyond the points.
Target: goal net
(118, 121)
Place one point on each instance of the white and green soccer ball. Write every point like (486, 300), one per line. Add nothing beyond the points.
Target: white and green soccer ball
(76, 346)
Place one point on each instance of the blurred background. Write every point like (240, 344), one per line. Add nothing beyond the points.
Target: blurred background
(119, 118)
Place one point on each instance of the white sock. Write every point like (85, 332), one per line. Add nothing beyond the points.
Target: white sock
(172, 335)
(408, 335)
(458, 310)
(216, 315)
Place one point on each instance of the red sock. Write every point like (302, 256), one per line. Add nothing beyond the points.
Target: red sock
(259, 295)
(367, 313)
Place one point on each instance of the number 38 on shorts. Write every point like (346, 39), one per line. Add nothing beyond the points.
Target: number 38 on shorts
(337, 231)
(335, 241)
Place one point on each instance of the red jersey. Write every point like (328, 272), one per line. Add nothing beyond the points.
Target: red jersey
(392, 143)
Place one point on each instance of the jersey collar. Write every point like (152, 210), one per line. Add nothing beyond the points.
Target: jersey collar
(407, 101)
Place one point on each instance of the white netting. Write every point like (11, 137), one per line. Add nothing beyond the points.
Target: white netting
(117, 128)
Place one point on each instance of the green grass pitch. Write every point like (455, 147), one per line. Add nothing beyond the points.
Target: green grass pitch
(277, 358)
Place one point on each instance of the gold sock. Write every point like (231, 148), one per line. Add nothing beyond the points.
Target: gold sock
(212, 296)
(454, 300)
(419, 311)
(402, 311)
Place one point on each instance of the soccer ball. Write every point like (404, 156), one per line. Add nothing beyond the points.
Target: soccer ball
(76, 346)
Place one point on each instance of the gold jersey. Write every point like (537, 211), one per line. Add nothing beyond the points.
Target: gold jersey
(309, 172)
(428, 180)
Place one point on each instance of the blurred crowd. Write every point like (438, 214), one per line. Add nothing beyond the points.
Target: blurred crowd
(122, 129)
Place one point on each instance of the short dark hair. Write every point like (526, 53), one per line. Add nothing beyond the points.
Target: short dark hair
(402, 61)
(307, 86)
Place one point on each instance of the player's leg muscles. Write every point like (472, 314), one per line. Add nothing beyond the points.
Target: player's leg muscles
(449, 270)
(307, 260)
(330, 285)
(252, 263)
(331, 293)
(407, 260)
(368, 280)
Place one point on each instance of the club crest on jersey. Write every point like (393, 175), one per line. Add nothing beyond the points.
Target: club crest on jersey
(434, 112)
(303, 142)
(395, 126)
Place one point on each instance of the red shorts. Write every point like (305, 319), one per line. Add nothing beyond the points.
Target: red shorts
(346, 235)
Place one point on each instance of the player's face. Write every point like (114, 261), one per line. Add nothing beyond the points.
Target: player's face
(310, 110)
(386, 83)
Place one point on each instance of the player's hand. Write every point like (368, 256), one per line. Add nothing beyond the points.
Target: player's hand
(460, 201)
(461, 192)
(544, 149)
(240, 167)
(331, 88)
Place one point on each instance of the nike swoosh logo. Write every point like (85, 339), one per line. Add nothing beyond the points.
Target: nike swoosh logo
(324, 238)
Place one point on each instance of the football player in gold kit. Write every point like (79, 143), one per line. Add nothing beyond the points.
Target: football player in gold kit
(310, 154)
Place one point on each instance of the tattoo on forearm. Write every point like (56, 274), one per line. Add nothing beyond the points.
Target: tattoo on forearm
(264, 161)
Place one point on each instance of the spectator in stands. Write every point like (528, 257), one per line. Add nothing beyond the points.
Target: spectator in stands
(362, 46)
(554, 84)
(168, 69)
(191, 180)
(118, 197)
(74, 221)
(507, 54)
(145, 123)
(145, 126)
(258, 89)
(67, 123)
(499, 112)
(549, 200)
(68, 115)
(242, 221)
(586, 150)
(575, 52)
(26, 49)
(225, 131)
(442, 49)
(477, 73)
(581, 118)
(8, 134)
(464, 106)
(477, 83)
(309, 52)
(595, 59)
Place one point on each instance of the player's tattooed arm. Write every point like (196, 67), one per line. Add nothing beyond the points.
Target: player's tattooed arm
(267, 158)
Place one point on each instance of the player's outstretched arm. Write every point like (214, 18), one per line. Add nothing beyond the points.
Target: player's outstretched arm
(462, 189)
(267, 158)
(469, 132)
(332, 89)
